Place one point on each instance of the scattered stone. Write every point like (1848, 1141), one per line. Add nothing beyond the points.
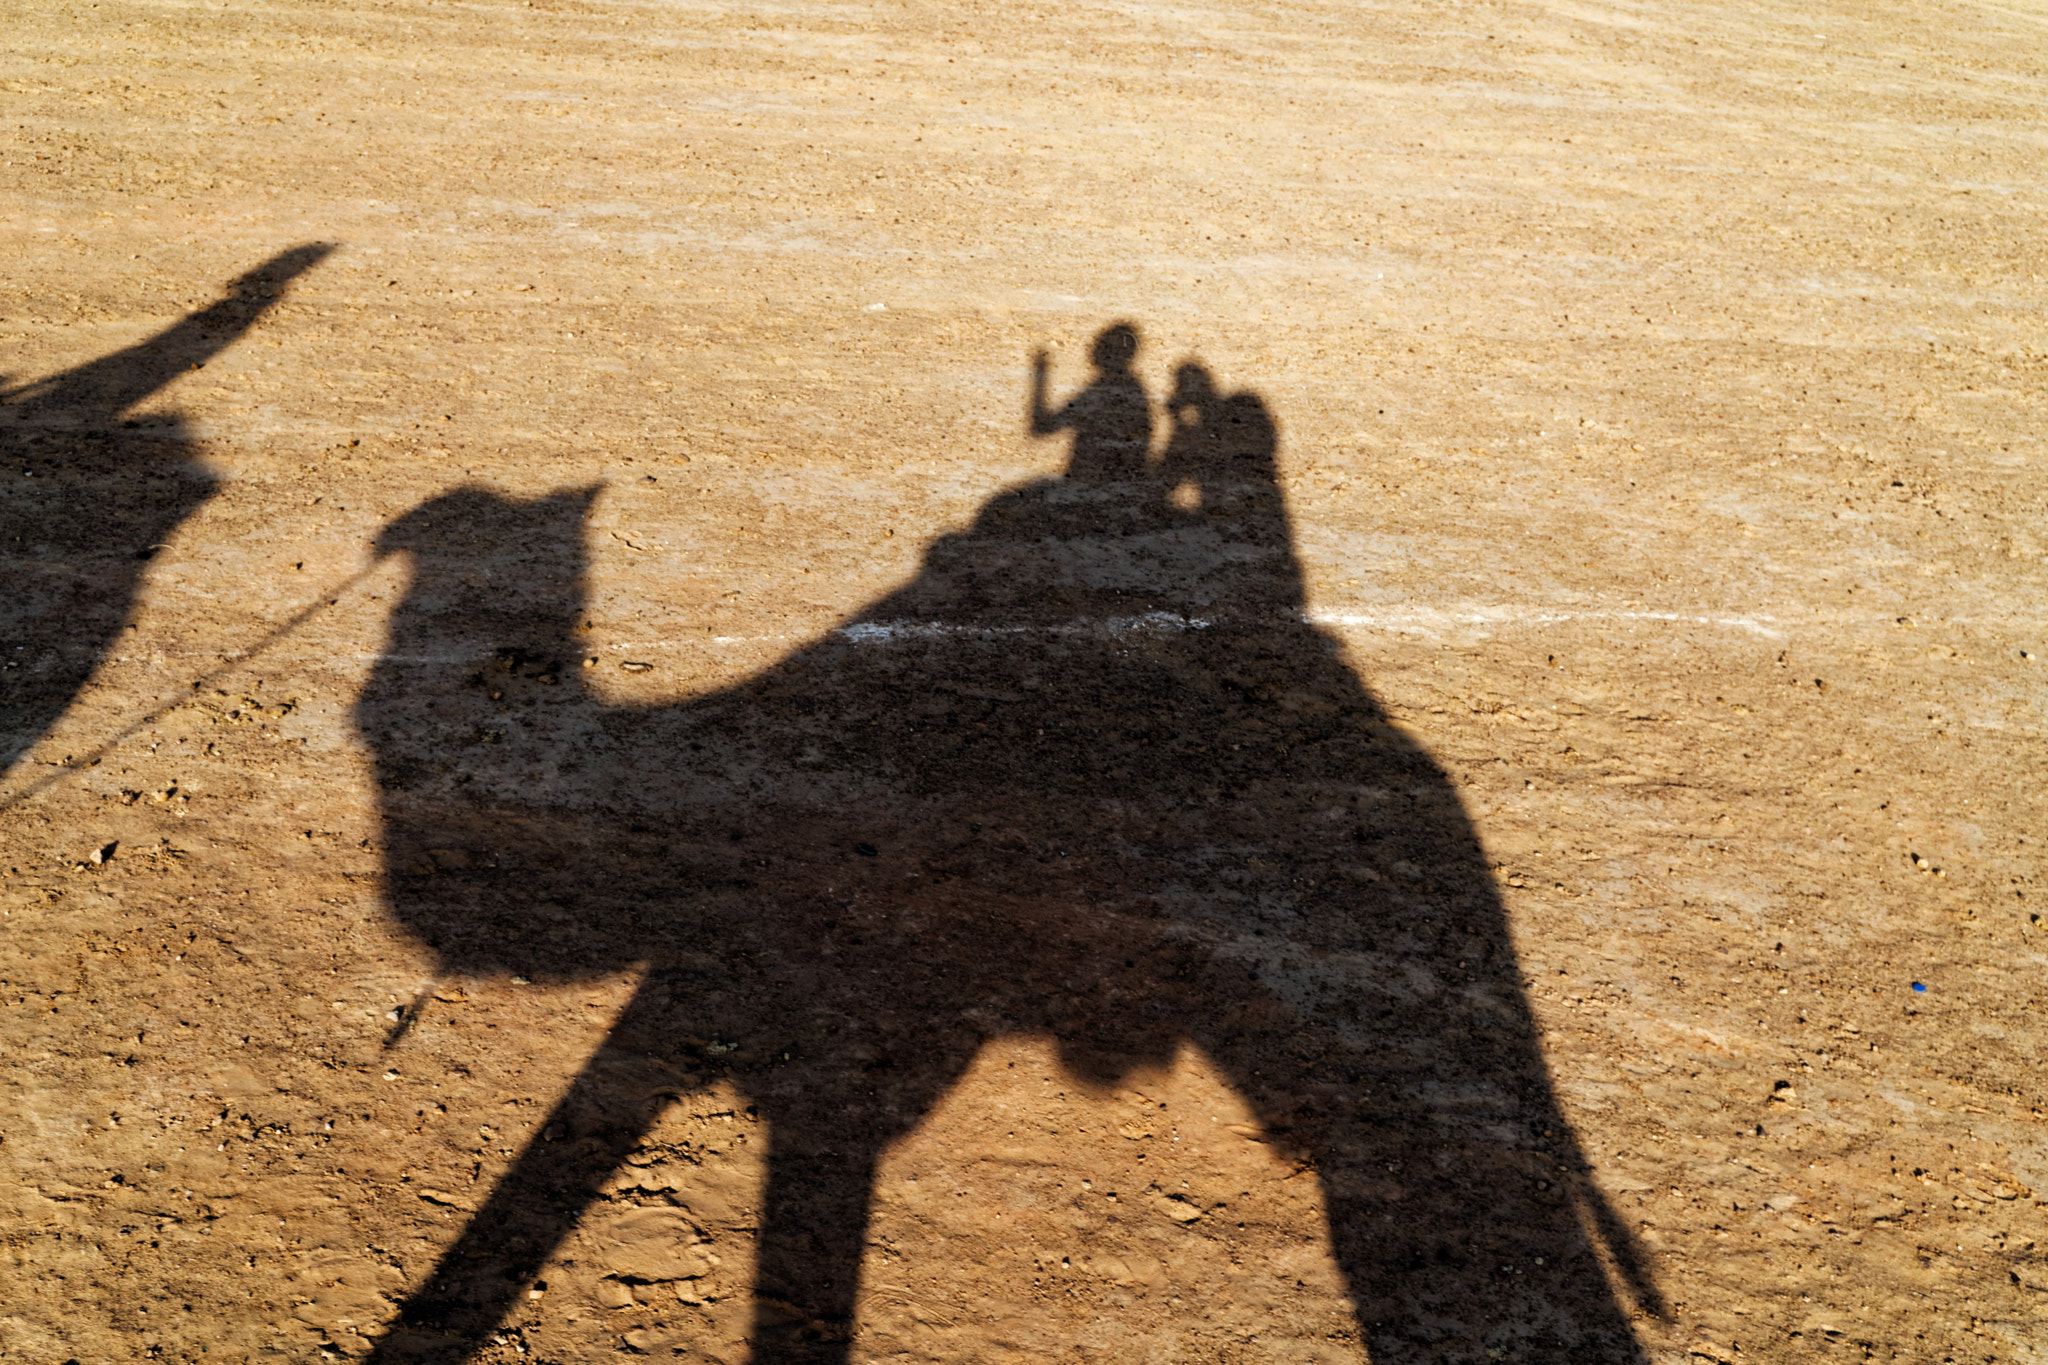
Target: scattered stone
(656, 1245)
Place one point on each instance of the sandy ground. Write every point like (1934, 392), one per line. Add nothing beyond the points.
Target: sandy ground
(1642, 578)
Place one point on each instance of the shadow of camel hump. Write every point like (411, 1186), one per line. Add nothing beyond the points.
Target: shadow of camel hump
(89, 498)
(1089, 776)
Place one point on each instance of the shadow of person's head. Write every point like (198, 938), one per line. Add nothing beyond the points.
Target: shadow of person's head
(1116, 346)
(1194, 388)
(1225, 440)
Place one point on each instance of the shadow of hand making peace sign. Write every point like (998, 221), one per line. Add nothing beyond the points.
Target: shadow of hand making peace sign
(1090, 776)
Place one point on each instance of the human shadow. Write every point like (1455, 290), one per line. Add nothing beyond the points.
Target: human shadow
(88, 498)
(1090, 776)
(1111, 418)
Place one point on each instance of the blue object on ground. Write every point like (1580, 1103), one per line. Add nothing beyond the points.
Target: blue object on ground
(1918, 986)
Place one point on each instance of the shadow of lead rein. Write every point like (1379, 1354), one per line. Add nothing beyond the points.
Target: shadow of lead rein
(326, 601)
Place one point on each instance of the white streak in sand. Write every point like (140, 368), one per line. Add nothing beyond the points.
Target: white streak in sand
(1423, 621)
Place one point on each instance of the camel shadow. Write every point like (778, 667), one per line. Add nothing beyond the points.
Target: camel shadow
(1090, 776)
(90, 497)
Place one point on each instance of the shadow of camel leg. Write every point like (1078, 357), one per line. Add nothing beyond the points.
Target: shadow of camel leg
(1454, 1201)
(537, 1205)
(814, 1220)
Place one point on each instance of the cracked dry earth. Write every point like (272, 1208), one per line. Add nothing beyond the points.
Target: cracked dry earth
(1656, 398)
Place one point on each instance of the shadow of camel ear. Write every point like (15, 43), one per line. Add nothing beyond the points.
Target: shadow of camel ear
(580, 503)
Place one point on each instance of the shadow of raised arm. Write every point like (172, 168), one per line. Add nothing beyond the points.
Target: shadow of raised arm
(99, 391)
(88, 499)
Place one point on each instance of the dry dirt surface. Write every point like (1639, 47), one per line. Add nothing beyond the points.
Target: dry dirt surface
(1117, 682)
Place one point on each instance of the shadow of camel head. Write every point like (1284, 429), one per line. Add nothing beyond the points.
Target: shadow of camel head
(1090, 776)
